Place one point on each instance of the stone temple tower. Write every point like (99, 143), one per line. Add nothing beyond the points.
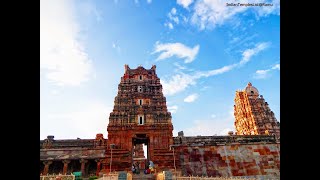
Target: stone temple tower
(253, 115)
(140, 116)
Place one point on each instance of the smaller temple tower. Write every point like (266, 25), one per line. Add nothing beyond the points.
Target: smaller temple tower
(253, 115)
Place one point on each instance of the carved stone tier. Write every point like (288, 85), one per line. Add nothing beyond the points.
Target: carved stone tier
(140, 116)
(253, 115)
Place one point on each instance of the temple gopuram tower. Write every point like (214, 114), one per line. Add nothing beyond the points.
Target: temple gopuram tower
(253, 115)
(140, 116)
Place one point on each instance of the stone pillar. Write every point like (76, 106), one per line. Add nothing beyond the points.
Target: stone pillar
(98, 166)
(65, 166)
(83, 163)
(46, 167)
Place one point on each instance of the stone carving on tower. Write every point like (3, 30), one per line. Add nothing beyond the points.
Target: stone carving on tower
(253, 115)
(140, 116)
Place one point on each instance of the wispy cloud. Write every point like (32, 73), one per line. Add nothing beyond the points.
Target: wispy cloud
(210, 13)
(173, 109)
(136, 2)
(277, 66)
(173, 18)
(240, 40)
(247, 54)
(266, 10)
(169, 25)
(176, 49)
(116, 46)
(184, 3)
(215, 71)
(149, 1)
(191, 98)
(177, 83)
(172, 15)
(179, 66)
(181, 81)
(63, 59)
(262, 74)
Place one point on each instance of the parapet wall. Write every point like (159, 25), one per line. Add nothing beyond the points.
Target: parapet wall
(249, 157)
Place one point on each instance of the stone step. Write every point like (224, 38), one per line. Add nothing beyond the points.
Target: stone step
(144, 176)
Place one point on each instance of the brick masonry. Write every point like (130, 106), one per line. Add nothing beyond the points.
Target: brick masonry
(229, 160)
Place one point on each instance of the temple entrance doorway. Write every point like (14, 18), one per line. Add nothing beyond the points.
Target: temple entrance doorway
(140, 152)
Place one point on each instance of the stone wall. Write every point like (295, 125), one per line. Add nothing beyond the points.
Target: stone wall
(235, 159)
(75, 153)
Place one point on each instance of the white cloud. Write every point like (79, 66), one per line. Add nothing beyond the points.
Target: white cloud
(179, 66)
(266, 10)
(176, 49)
(184, 3)
(63, 59)
(191, 98)
(247, 54)
(262, 74)
(173, 109)
(172, 15)
(181, 81)
(169, 25)
(173, 11)
(210, 13)
(177, 83)
(116, 46)
(234, 40)
(149, 1)
(215, 71)
(213, 116)
(277, 66)
(136, 2)
(185, 19)
(85, 122)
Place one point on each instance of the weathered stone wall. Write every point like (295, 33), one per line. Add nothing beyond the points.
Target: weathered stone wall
(252, 159)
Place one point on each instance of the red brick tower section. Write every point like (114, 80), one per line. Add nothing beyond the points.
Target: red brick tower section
(140, 116)
(253, 115)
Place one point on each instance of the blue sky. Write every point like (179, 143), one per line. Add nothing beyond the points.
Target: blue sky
(204, 51)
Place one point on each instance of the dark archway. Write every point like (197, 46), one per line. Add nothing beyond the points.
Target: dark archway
(56, 167)
(91, 168)
(138, 154)
(74, 166)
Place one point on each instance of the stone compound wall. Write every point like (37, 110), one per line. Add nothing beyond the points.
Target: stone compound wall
(229, 160)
